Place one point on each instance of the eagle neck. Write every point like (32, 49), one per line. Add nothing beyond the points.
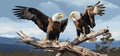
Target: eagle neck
(55, 19)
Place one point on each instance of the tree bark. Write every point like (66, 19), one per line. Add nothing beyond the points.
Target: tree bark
(64, 46)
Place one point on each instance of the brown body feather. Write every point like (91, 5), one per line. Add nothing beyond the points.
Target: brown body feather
(88, 17)
(81, 27)
(53, 30)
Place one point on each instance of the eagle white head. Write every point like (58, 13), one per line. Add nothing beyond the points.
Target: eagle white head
(75, 15)
(57, 16)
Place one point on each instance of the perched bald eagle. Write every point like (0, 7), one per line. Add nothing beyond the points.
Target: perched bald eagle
(52, 26)
(85, 21)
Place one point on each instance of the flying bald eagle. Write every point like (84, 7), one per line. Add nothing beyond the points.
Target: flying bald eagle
(85, 21)
(52, 26)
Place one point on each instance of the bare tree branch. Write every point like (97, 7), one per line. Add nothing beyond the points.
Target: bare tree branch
(63, 46)
(60, 53)
(79, 40)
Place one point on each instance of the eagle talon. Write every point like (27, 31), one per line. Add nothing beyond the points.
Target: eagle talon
(57, 42)
(77, 37)
(48, 41)
(84, 36)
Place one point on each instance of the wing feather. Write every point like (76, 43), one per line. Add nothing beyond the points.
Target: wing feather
(63, 25)
(40, 19)
(91, 11)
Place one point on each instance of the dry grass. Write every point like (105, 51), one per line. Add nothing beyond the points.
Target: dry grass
(23, 53)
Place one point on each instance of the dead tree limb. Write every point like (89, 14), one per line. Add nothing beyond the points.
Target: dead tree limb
(79, 40)
(63, 46)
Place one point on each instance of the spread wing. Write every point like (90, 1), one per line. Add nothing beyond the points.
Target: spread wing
(91, 11)
(63, 25)
(40, 19)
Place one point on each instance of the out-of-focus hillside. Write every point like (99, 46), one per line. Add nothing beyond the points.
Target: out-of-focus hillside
(23, 53)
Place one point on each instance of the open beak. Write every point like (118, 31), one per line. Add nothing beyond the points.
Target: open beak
(71, 15)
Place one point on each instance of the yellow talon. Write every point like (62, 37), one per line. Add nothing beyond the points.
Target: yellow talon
(48, 41)
(56, 41)
(84, 36)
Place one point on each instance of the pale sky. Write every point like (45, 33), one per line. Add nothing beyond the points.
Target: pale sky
(10, 24)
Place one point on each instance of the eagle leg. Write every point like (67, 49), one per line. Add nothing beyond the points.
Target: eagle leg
(78, 33)
(84, 32)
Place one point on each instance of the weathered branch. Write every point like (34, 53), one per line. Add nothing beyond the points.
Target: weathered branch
(60, 53)
(79, 40)
(63, 46)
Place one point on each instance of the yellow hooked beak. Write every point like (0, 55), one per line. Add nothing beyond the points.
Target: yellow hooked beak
(62, 15)
(71, 15)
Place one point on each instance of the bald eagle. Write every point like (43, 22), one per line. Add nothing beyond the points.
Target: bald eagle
(85, 21)
(52, 26)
